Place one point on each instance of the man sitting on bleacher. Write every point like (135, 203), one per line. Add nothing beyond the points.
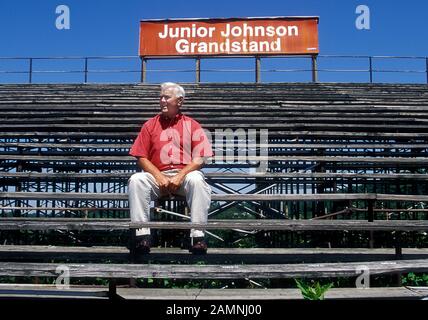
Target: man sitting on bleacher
(171, 148)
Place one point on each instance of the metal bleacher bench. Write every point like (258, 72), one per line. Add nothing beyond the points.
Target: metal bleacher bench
(356, 151)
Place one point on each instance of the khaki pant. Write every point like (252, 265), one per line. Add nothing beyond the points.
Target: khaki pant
(142, 189)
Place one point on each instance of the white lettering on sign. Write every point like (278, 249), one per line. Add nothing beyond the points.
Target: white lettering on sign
(188, 38)
(259, 31)
(235, 31)
(185, 46)
(186, 32)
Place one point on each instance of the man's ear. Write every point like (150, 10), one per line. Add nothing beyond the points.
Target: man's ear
(180, 101)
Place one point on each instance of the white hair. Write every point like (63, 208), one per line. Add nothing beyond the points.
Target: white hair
(178, 90)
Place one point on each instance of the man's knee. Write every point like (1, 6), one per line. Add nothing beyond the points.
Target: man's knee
(195, 178)
(195, 181)
(139, 178)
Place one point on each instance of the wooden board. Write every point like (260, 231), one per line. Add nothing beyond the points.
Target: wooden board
(243, 224)
(239, 271)
(267, 294)
(30, 253)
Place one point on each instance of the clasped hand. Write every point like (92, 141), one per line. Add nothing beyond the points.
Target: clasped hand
(169, 185)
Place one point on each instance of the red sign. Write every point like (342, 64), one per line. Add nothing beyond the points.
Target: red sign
(249, 36)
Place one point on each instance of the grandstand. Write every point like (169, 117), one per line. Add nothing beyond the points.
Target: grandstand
(336, 180)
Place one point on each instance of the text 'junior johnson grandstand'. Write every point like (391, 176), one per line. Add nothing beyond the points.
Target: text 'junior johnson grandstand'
(183, 45)
(235, 37)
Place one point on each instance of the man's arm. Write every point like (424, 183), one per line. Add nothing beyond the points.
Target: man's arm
(161, 179)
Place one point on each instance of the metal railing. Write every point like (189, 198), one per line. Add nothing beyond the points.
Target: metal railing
(313, 67)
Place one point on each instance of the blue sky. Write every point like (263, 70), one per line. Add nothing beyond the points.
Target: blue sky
(108, 28)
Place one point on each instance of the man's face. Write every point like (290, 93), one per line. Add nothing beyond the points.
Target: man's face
(169, 103)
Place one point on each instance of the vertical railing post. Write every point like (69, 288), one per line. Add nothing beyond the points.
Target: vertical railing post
(370, 210)
(18, 187)
(257, 75)
(398, 254)
(132, 253)
(370, 218)
(426, 67)
(143, 69)
(112, 289)
(371, 69)
(314, 68)
(86, 70)
(30, 73)
(198, 70)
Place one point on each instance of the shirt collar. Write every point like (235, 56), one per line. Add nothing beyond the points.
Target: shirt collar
(176, 118)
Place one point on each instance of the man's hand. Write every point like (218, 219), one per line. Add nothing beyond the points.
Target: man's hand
(163, 183)
(175, 182)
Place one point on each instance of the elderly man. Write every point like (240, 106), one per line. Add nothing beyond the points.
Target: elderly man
(171, 148)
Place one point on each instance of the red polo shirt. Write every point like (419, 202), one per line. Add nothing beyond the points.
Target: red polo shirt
(171, 144)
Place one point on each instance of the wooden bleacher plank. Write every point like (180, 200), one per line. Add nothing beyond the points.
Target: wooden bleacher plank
(285, 145)
(220, 175)
(260, 271)
(268, 294)
(41, 291)
(277, 126)
(71, 158)
(243, 224)
(214, 197)
(295, 225)
(218, 197)
(342, 157)
(301, 114)
(334, 123)
(121, 177)
(87, 210)
(52, 134)
(215, 255)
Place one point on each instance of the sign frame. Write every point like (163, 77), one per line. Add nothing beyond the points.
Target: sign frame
(145, 57)
(225, 21)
